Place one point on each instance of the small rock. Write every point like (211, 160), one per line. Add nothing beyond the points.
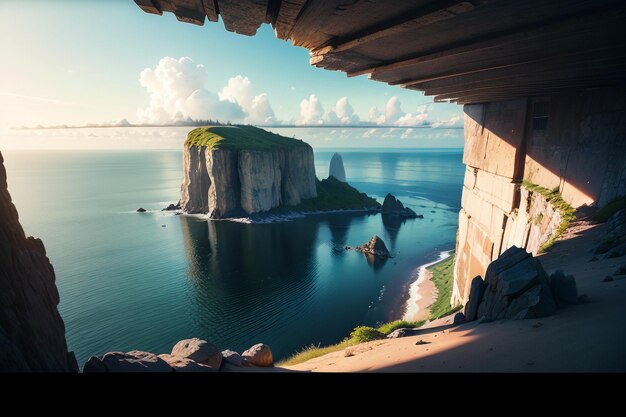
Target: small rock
(163, 225)
(199, 351)
(375, 247)
(141, 210)
(421, 342)
(233, 358)
(94, 364)
(537, 325)
(259, 355)
(608, 278)
(563, 288)
(403, 332)
(179, 364)
(459, 318)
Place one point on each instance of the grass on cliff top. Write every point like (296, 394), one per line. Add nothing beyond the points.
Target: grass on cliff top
(333, 194)
(568, 213)
(605, 213)
(360, 334)
(240, 137)
(443, 278)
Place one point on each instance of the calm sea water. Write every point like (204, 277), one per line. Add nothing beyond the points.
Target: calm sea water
(126, 282)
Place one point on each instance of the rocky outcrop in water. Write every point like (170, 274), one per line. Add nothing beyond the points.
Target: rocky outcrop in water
(230, 176)
(336, 168)
(375, 247)
(394, 207)
(32, 333)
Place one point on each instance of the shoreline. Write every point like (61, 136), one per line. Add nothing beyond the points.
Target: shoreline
(422, 291)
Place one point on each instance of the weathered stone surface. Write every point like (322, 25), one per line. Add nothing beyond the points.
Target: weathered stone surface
(403, 332)
(517, 288)
(394, 207)
(233, 358)
(336, 168)
(259, 355)
(199, 351)
(179, 364)
(133, 361)
(32, 333)
(563, 288)
(375, 247)
(475, 297)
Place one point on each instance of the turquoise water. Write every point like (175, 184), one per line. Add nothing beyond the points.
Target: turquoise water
(126, 282)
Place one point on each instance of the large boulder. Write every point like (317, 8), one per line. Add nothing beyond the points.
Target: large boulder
(199, 351)
(259, 355)
(179, 364)
(517, 288)
(375, 246)
(336, 168)
(133, 361)
(394, 207)
(476, 296)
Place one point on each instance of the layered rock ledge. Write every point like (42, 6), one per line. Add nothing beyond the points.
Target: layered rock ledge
(232, 171)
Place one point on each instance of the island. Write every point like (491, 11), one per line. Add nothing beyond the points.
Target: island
(239, 171)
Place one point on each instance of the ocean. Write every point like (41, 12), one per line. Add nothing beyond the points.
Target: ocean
(145, 281)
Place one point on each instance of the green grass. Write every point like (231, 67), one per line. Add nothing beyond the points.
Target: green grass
(360, 334)
(443, 278)
(610, 209)
(239, 137)
(568, 213)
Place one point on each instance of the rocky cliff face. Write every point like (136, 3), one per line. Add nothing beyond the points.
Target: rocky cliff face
(336, 168)
(32, 333)
(240, 179)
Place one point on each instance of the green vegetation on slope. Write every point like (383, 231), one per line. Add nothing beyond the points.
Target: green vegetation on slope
(333, 194)
(360, 334)
(610, 209)
(443, 278)
(568, 213)
(240, 137)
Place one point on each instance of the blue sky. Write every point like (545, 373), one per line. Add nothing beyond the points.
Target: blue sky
(77, 62)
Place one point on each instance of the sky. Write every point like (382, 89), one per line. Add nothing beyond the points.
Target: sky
(79, 62)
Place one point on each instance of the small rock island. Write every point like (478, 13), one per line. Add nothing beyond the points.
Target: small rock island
(336, 168)
(239, 171)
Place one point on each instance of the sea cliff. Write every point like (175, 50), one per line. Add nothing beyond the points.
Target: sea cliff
(232, 171)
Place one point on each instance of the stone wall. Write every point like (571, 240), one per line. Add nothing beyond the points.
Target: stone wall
(574, 141)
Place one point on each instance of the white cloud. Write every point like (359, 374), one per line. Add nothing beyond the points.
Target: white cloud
(407, 133)
(342, 114)
(311, 111)
(394, 115)
(177, 89)
(453, 121)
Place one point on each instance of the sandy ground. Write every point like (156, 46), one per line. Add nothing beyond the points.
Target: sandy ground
(428, 294)
(583, 337)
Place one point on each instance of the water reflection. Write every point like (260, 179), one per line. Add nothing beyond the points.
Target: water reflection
(392, 226)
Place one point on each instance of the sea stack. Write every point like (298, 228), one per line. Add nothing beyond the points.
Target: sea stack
(336, 168)
(232, 171)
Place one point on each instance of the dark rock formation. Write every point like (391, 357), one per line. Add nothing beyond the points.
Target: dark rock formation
(475, 297)
(616, 225)
(517, 288)
(172, 207)
(141, 210)
(459, 318)
(336, 168)
(133, 361)
(200, 351)
(259, 355)
(394, 207)
(32, 333)
(563, 288)
(233, 358)
(375, 247)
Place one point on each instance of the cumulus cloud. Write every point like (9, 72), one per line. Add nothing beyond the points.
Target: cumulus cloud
(342, 114)
(453, 121)
(311, 111)
(177, 89)
(394, 115)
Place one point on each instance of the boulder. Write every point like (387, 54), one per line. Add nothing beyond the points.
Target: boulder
(616, 224)
(259, 355)
(517, 287)
(172, 207)
(233, 358)
(141, 210)
(336, 168)
(563, 288)
(199, 351)
(375, 247)
(476, 295)
(133, 361)
(459, 318)
(403, 332)
(394, 207)
(179, 364)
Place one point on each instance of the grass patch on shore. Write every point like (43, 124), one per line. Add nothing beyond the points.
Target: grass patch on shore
(360, 334)
(443, 278)
(605, 213)
(568, 213)
(240, 137)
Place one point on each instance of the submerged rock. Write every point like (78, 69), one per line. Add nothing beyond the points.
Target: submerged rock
(394, 207)
(199, 351)
(259, 355)
(375, 247)
(141, 210)
(336, 168)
